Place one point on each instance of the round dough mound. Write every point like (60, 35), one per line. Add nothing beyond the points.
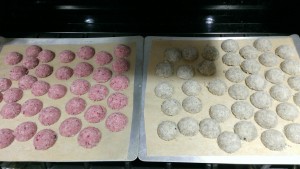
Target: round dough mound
(263, 44)
(164, 69)
(232, 59)
(209, 128)
(217, 87)
(280, 93)
(266, 118)
(242, 110)
(229, 142)
(207, 68)
(290, 67)
(245, 130)
(248, 52)
(188, 126)
(256, 82)
(294, 82)
(273, 140)
(230, 45)
(173, 54)
(191, 88)
(275, 76)
(190, 53)
(192, 104)
(171, 107)
(287, 111)
(167, 130)
(219, 112)
(238, 92)
(296, 99)
(235, 75)
(185, 72)
(268, 59)
(164, 90)
(44, 139)
(292, 132)
(261, 100)
(210, 53)
(284, 51)
(250, 66)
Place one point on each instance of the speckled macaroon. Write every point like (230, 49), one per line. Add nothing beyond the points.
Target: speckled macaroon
(230, 45)
(246, 130)
(217, 87)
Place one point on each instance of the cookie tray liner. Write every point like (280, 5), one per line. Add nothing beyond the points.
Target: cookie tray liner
(185, 149)
(113, 146)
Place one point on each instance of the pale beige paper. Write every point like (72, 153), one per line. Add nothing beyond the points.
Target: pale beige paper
(198, 145)
(113, 145)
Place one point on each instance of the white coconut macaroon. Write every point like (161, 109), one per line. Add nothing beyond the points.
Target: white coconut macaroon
(294, 82)
(292, 132)
(207, 68)
(266, 119)
(291, 67)
(210, 53)
(250, 66)
(246, 130)
(280, 93)
(275, 76)
(242, 110)
(287, 111)
(230, 45)
(238, 92)
(219, 112)
(167, 130)
(235, 74)
(285, 51)
(188, 126)
(263, 44)
(229, 142)
(164, 69)
(164, 90)
(185, 72)
(296, 99)
(190, 53)
(261, 100)
(191, 87)
(273, 140)
(249, 52)
(232, 59)
(173, 54)
(217, 87)
(171, 107)
(268, 59)
(209, 128)
(192, 104)
(256, 82)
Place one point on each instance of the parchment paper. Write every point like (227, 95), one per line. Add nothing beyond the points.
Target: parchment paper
(113, 146)
(199, 148)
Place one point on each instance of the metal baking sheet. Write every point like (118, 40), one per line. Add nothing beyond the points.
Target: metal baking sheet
(154, 149)
(127, 142)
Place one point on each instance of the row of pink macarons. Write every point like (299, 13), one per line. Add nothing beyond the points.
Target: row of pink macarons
(34, 52)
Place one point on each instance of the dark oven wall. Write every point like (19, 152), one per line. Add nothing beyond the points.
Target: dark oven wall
(117, 17)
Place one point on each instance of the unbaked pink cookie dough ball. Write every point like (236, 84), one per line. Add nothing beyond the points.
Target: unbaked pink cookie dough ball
(102, 74)
(83, 69)
(86, 52)
(17, 72)
(70, 127)
(5, 84)
(122, 51)
(44, 139)
(33, 51)
(49, 115)
(66, 56)
(43, 70)
(31, 107)
(12, 95)
(46, 56)
(57, 91)
(25, 131)
(75, 106)
(89, 137)
(30, 62)
(98, 92)
(10, 110)
(39, 88)
(64, 73)
(80, 87)
(116, 122)
(120, 65)
(1, 97)
(119, 82)
(117, 101)
(6, 137)
(103, 58)
(26, 82)
(95, 113)
(13, 58)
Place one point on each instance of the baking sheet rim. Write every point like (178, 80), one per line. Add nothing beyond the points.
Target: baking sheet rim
(204, 159)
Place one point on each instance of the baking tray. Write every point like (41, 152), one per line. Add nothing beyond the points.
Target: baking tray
(26, 152)
(253, 156)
